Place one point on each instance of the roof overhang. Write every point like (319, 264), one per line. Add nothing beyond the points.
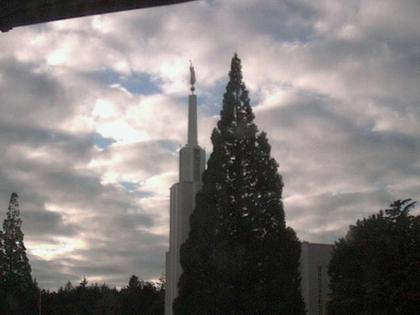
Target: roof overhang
(15, 13)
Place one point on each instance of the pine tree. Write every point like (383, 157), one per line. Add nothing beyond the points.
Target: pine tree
(14, 265)
(16, 281)
(239, 258)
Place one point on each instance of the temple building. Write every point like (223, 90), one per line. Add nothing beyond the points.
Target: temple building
(192, 160)
(314, 261)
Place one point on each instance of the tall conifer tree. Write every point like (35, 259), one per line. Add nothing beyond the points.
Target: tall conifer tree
(239, 258)
(15, 272)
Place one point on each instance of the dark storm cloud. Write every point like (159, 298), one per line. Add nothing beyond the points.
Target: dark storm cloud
(45, 222)
(74, 146)
(31, 96)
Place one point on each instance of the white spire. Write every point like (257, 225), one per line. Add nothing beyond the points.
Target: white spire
(192, 161)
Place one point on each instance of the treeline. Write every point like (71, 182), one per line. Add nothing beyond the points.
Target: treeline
(20, 294)
(138, 297)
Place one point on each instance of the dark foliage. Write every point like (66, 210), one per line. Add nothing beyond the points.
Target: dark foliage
(141, 298)
(138, 298)
(375, 269)
(18, 291)
(239, 258)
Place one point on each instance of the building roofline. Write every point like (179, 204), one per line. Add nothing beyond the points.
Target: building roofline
(323, 244)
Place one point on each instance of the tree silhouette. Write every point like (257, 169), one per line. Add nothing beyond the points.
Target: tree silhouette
(239, 258)
(130, 297)
(375, 269)
(19, 290)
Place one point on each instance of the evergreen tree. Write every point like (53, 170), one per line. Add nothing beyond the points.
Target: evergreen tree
(239, 258)
(130, 296)
(68, 287)
(20, 291)
(375, 269)
(134, 283)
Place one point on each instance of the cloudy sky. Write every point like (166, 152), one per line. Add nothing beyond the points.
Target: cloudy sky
(93, 113)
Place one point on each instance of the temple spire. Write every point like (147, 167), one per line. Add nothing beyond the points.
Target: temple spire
(192, 161)
(192, 110)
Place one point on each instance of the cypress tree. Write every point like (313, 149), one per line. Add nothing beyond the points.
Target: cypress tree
(20, 291)
(239, 258)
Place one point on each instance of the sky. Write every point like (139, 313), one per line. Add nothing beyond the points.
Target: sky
(93, 112)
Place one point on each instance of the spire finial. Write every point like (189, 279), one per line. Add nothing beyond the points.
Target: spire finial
(192, 77)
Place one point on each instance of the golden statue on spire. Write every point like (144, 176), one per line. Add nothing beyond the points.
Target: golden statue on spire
(192, 77)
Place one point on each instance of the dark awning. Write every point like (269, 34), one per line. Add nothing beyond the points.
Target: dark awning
(15, 13)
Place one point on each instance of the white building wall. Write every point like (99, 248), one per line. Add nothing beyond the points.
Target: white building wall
(314, 262)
